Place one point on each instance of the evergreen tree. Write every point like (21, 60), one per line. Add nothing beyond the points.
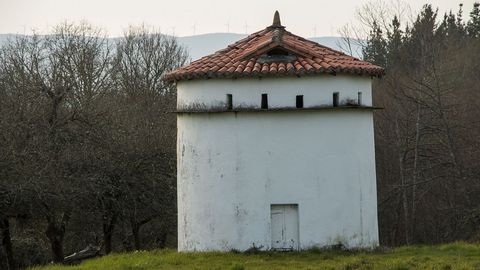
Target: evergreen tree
(452, 26)
(394, 42)
(452, 29)
(421, 38)
(473, 25)
(375, 51)
(459, 23)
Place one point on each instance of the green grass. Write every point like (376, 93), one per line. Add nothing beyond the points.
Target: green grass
(441, 257)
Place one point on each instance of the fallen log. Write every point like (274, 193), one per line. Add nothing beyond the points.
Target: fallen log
(89, 252)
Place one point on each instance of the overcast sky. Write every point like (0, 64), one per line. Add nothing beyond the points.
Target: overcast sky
(303, 17)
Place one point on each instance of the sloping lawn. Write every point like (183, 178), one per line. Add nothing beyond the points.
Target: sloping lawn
(441, 257)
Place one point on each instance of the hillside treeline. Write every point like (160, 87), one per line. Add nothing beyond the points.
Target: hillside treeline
(87, 143)
(428, 136)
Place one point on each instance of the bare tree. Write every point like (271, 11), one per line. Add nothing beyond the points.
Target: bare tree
(61, 74)
(144, 55)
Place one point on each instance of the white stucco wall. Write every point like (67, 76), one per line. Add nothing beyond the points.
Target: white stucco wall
(316, 91)
(233, 166)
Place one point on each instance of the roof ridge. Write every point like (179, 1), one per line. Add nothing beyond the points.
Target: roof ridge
(233, 45)
(321, 45)
(249, 37)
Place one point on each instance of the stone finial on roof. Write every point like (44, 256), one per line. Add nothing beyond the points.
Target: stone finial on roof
(276, 20)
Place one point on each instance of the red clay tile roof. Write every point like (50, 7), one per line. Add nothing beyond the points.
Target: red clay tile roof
(273, 51)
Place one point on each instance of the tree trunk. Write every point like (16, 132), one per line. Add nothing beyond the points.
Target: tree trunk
(136, 226)
(414, 176)
(136, 235)
(403, 185)
(56, 233)
(7, 242)
(163, 240)
(57, 250)
(108, 227)
(107, 242)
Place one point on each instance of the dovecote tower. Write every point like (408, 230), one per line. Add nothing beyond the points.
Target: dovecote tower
(275, 146)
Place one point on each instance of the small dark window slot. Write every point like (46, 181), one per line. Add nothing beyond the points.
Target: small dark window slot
(277, 51)
(335, 99)
(359, 102)
(300, 101)
(229, 102)
(264, 101)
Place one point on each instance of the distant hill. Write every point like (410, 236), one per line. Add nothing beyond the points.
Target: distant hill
(4, 38)
(205, 44)
(338, 44)
(201, 45)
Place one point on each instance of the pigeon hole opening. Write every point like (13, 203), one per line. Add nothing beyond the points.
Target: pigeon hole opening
(229, 102)
(336, 97)
(299, 101)
(264, 101)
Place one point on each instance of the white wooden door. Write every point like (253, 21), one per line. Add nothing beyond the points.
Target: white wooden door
(284, 226)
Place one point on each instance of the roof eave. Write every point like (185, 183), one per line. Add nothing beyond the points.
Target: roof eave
(255, 75)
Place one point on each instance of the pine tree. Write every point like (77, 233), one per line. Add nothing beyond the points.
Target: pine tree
(421, 37)
(375, 51)
(394, 42)
(452, 26)
(452, 30)
(459, 23)
(473, 25)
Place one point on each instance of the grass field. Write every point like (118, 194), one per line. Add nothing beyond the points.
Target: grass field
(441, 257)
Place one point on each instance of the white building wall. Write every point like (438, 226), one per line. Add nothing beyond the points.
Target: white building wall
(316, 91)
(233, 166)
